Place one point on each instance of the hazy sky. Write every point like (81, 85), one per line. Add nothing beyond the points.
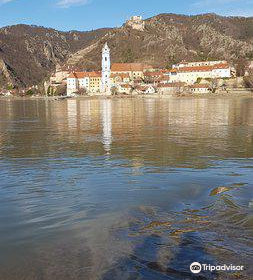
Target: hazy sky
(92, 14)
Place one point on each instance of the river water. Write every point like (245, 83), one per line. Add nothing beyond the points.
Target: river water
(125, 189)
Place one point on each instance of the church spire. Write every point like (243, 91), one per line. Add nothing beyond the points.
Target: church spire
(106, 69)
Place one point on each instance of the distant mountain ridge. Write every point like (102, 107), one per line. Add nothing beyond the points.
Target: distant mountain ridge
(30, 53)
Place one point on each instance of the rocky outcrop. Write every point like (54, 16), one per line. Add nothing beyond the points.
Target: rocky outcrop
(136, 22)
(7, 76)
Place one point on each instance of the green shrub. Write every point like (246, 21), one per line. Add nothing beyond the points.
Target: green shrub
(198, 80)
(30, 92)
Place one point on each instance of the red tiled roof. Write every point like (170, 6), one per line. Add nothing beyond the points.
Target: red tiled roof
(130, 67)
(78, 75)
(121, 75)
(95, 74)
(153, 74)
(200, 86)
(72, 75)
(201, 68)
(82, 75)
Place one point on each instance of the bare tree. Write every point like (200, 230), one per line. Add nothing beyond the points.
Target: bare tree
(114, 90)
(61, 90)
(214, 85)
(241, 64)
(248, 81)
(82, 91)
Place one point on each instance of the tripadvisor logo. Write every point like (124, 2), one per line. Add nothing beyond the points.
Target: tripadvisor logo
(197, 267)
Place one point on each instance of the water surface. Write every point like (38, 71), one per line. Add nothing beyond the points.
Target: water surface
(125, 188)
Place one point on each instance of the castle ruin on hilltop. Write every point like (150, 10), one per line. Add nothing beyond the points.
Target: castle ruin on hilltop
(136, 22)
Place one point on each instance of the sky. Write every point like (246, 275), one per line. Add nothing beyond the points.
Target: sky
(92, 14)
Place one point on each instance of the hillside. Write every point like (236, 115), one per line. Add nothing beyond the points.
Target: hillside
(169, 38)
(30, 53)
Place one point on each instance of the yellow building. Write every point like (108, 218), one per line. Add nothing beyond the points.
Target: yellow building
(95, 81)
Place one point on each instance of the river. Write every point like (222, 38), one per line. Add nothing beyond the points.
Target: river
(125, 189)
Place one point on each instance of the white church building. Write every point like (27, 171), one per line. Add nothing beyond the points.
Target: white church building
(92, 82)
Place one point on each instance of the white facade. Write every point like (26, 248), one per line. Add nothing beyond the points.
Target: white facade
(191, 76)
(84, 83)
(222, 73)
(74, 83)
(198, 63)
(150, 90)
(106, 69)
(200, 89)
(72, 86)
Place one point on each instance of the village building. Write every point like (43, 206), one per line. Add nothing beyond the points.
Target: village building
(61, 74)
(119, 78)
(95, 82)
(124, 77)
(124, 89)
(165, 79)
(198, 63)
(153, 77)
(87, 81)
(191, 74)
(73, 82)
(146, 89)
(200, 88)
(170, 88)
(134, 70)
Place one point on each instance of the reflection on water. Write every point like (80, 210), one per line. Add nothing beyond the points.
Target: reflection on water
(107, 124)
(125, 188)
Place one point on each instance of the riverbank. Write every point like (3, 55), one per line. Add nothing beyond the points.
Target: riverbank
(219, 94)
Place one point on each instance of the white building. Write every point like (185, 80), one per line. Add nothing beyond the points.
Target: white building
(200, 88)
(93, 82)
(106, 69)
(76, 81)
(146, 89)
(191, 74)
(90, 82)
(199, 63)
(170, 88)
